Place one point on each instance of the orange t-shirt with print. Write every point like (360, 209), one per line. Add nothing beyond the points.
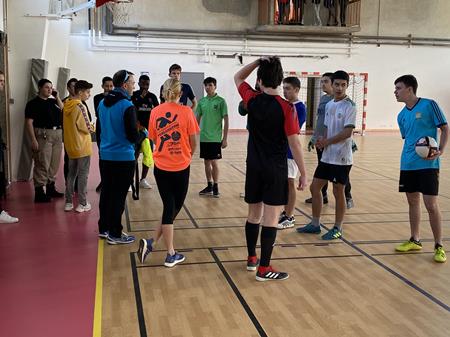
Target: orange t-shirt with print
(170, 126)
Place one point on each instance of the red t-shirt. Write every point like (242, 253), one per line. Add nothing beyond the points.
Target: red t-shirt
(170, 126)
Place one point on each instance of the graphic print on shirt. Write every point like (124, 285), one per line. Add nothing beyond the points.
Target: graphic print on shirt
(168, 129)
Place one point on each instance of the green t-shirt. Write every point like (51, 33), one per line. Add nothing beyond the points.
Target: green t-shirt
(211, 110)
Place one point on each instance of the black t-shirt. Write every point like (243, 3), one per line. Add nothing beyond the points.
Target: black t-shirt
(271, 119)
(144, 106)
(186, 92)
(45, 113)
(97, 99)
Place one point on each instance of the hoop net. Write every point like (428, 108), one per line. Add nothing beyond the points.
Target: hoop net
(120, 10)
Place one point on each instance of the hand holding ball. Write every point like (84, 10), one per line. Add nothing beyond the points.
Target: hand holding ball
(427, 148)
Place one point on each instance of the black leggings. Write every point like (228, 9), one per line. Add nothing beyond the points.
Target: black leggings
(172, 187)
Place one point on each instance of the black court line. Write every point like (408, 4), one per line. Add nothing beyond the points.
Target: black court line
(390, 270)
(137, 295)
(238, 294)
(190, 216)
(127, 217)
(372, 242)
(237, 168)
(272, 259)
(318, 244)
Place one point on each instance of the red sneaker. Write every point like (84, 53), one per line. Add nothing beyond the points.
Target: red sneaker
(252, 263)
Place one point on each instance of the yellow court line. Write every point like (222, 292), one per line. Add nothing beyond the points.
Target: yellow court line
(97, 330)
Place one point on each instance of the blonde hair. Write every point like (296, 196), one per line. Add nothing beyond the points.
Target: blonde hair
(171, 90)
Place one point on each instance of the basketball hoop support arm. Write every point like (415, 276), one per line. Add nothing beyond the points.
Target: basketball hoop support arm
(76, 9)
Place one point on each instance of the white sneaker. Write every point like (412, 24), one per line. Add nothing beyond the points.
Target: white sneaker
(6, 218)
(130, 189)
(144, 184)
(83, 208)
(68, 207)
(286, 222)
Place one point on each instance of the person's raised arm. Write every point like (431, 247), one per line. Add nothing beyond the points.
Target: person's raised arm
(245, 72)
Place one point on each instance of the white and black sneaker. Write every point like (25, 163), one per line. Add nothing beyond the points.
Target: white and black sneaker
(269, 274)
(286, 222)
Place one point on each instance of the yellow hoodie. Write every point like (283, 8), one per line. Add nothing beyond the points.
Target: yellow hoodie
(77, 129)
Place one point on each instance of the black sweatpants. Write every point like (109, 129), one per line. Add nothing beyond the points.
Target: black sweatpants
(116, 177)
(172, 187)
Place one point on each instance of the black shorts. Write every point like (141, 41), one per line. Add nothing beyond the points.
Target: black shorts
(425, 181)
(210, 151)
(268, 185)
(337, 174)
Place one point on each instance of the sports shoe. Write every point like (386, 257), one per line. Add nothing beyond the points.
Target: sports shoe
(269, 274)
(286, 222)
(309, 229)
(439, 254)
(408, 246)
(216, 193)
(145, 247)
(252, 263)
(103, 235)
(281, 216)
(6, 218)
(83, 208)
(208, 190)
(144, 184)
(172, 260)
(123, 240)
(333, 234)
(52, 192)
(350, 203)
(324, 200)
(68, 207)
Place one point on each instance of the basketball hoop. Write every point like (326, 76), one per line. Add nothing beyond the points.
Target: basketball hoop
(120, 10)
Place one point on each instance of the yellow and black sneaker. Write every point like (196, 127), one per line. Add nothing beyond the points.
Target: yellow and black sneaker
(439, 254)
(409, 245)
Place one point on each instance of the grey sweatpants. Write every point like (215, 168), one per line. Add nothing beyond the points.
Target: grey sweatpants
(78, 167)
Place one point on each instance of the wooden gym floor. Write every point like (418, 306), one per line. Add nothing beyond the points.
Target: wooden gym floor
(357, 286)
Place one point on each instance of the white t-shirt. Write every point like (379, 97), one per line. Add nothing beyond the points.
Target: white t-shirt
(339, 115)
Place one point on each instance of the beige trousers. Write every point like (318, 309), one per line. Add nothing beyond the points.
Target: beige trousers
(48, 157)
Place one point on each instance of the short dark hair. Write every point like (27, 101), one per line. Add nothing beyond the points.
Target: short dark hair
(328, 74)
(82, 85)
(72, 80)
(121, 77)
(340, 75)
(293, 80)
(43, 82)
(408, 81)
(144, 78)
(270, 72)
(106, 79)
(1, 72)
(210, 80)
(174, 67)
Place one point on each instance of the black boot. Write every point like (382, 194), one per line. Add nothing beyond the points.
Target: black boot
(40, 196)
(52, 192)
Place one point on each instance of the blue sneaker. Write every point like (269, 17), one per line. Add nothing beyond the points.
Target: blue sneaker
(103, 235)
(309, 229)
(123, 240)
(333, 234)
(172, 260)
(145, 247)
